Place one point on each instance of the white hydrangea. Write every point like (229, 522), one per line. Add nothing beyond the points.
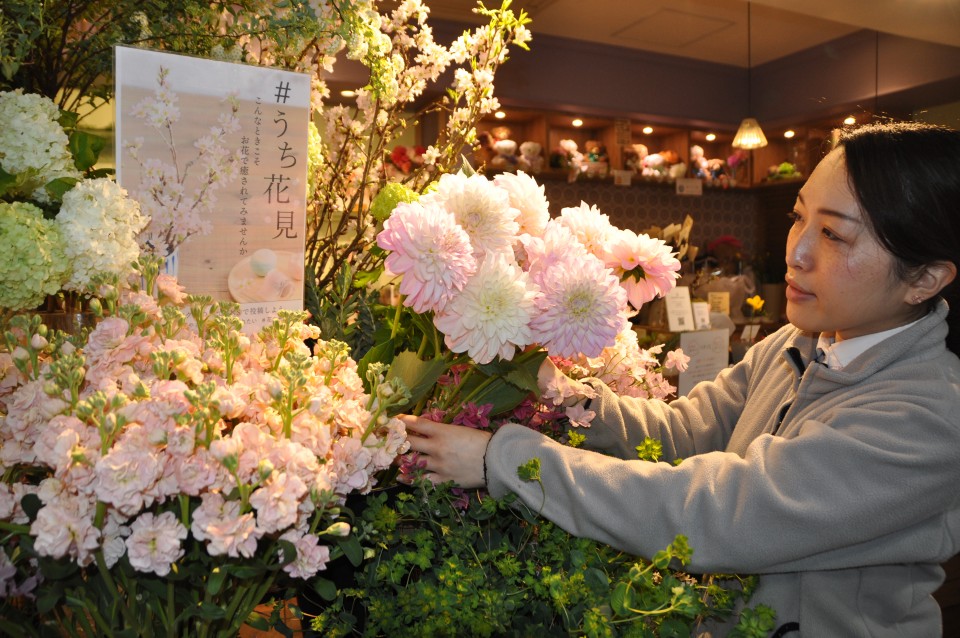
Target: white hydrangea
(101, 225)
(33, 145)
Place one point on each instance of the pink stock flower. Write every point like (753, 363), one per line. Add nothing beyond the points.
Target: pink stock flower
(430, 250)
(277, 501)
(155, 542)
(311, 555)
(64, 527)
(226, 531)
(125, 478)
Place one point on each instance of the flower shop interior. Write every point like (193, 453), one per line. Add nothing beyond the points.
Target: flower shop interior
(648, 111)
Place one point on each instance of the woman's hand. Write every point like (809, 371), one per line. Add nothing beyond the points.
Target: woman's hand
(448, 452)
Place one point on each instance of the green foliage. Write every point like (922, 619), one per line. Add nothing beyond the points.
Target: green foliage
(496, 569)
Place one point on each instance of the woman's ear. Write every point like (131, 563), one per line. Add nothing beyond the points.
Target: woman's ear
(934, 278)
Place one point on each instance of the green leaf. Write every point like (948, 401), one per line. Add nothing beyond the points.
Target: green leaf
(7, 181)
(380, 353)
(618, 599)
(244, 572)
(209, 611)
(85, 149)
(530, 471)
(674, 628)
(352, 549)
(215, 581)
(419, 376)
(58, 187)
(326, 588)
(258, 621)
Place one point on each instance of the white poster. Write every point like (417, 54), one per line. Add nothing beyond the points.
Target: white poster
(709, 352)
(216, 153)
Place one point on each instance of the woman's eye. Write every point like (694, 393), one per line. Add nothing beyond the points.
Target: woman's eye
(829, 234)
(793, 216)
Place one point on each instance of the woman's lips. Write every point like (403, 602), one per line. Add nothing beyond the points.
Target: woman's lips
(795, 293)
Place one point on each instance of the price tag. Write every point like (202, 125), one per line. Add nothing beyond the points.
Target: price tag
(679, 311)
(719, 302)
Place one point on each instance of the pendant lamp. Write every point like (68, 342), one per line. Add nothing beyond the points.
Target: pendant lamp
(749, 135)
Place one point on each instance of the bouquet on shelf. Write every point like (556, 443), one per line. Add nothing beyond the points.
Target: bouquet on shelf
(167, 474)
(489, 286)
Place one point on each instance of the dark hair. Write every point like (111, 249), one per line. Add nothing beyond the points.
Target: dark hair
(906, 176)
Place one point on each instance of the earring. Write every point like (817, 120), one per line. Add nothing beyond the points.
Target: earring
(917, 300)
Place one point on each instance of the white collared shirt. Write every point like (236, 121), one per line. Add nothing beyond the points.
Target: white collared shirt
(836, 354)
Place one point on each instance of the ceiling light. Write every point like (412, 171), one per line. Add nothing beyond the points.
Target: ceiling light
(647, 130)
(348, 93)
(850, 121)
(499, 115)
(749, 135)
(788, 134)
(711, 137)
(577, 122)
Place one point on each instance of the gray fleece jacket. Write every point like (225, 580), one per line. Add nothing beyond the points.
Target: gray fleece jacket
(841, 488)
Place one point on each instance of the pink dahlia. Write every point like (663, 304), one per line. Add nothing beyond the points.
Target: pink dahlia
(491, 317)
(528, 197)
(647, 266)
(581, 308)
(591, 227)
(430, 250)
(482, 209)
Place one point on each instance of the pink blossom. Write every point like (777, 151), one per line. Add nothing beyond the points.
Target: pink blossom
(311, 555)
(64, 527)
(579, 416)
(155, 542)
(277, 501)
(227, 531)
(430, 250)
(474, 416)
(125, 478)
(170, 289)
(677, 360)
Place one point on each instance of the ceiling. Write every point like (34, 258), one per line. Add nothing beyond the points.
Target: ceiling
(716, 30)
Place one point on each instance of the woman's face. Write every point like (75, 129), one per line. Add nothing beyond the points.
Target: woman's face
(839, 278)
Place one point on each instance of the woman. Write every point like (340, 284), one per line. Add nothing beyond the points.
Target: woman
(833, 478)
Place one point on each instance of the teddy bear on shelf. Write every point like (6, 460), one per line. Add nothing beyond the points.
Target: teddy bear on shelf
(633, 157)
(530, 160)
(506, 155)
(699, 166)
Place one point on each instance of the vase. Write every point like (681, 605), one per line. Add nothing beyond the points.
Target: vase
(67, 311)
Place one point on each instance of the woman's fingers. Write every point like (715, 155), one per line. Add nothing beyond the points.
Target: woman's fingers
(448, 452)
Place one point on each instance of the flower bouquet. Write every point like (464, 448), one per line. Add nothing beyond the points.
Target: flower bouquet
(165, 474)
(62, 221)
(491, 285)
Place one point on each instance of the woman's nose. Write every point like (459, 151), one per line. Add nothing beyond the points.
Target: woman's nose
(798, 250)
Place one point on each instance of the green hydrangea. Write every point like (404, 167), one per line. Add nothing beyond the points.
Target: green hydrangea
(32, 262)
(388, 198)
